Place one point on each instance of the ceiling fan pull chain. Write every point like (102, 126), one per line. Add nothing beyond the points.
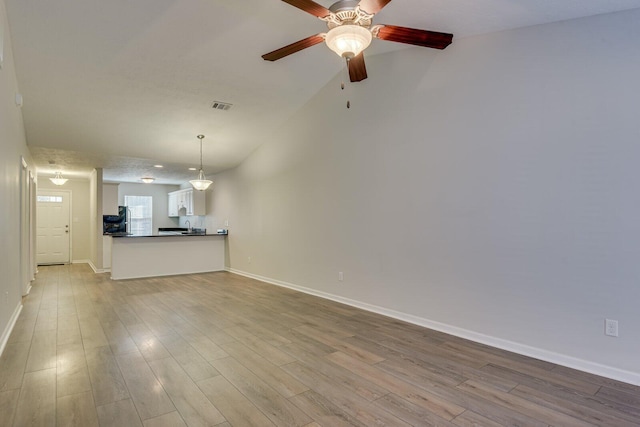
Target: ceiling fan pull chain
(346, 73)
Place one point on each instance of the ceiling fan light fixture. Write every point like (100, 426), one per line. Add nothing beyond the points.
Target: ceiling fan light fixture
(348, 40)
(202, 183)
(58, 179)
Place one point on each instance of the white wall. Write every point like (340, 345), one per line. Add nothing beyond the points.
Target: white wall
(12, 148)
(80, 214)
(489, 190)
(159, 193)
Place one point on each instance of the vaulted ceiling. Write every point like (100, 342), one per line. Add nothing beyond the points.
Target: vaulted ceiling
(125, 85)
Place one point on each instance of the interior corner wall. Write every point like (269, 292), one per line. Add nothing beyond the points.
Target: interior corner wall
(13, 148)
(80, 215)
(489, 190)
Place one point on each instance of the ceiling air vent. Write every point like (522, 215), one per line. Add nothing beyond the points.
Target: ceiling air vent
(217, 105)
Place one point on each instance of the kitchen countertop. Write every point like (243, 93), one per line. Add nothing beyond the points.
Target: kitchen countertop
(128, 235)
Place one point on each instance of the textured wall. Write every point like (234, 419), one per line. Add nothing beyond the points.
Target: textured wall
(488, 190)
(12, 149)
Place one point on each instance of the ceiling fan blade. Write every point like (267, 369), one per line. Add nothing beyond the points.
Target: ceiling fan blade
(372, 6)
(416, 37)
(357, 69)
(293, 47)
(310, 6)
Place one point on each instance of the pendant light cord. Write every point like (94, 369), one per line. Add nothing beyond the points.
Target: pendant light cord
(200, 137)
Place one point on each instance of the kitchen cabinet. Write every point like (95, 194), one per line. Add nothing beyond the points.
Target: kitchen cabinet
(187, 202)
(173, 204)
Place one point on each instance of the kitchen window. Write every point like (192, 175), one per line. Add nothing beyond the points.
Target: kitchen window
(140, 214)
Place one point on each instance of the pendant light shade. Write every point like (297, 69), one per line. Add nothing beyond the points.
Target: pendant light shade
(202, 183)
(58, 179)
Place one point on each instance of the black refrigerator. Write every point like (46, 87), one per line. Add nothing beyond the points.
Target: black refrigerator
(115, 224)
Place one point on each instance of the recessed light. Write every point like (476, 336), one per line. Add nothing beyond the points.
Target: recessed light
(158, 166)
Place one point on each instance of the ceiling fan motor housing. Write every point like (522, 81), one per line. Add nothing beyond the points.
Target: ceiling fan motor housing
(347, 12)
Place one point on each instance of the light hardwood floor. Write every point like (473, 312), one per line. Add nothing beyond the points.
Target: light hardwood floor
(220, 349)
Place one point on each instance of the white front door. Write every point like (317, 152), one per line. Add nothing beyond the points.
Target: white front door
(53, 227)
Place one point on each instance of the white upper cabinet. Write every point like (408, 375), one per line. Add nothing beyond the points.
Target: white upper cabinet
(173, 204)
(187, 202)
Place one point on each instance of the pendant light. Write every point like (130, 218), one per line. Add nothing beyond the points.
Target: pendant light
(202, 183)
(58, 179)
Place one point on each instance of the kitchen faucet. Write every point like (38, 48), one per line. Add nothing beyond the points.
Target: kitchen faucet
(188, 225)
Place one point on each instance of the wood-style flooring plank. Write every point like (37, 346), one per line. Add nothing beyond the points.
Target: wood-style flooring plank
(191, 403)
(77, 410)
(434, 404)
(107, 382)
(42, 354)
(12, 365)
(118, 414)
(147, 392)
(278, 409)
(355, 406)
(323, 411)
(279, 380)
(582, 412)
(341, 345)
(411, 413)
(538, 412)
(148, 344)
(188, 357)
(37, 402)
(8, 403)
(72, 372)
(233, 405)
(92, 333)
(471, 419)
(226, 350)
(68, 331)
(118, 337)
(172, 419)
(344, 378)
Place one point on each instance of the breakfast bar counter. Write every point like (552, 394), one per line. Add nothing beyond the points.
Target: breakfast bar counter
(165, 255)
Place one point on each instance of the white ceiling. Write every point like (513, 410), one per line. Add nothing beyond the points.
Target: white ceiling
(124, 85)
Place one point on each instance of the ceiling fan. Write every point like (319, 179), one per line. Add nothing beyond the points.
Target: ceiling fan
(351, 31)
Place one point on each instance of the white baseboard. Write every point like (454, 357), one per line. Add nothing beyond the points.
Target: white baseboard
(525, 350)
(93, 267)
(4, 338)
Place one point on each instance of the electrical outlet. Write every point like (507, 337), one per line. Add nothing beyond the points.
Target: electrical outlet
(226, 222)
(249, 259)
(611, 327)
(340, 276)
